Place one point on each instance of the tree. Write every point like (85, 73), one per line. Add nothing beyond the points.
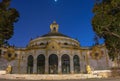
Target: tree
(106, 23)
(96, 40)
(8, 16)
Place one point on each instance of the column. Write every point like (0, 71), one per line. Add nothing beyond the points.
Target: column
(35, 66)
(71, 65)
(80, 63)
(59, 65)
(46, 64)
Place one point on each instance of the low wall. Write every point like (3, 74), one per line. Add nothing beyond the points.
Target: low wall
(48, 76)
(2, 72)
(103, 73)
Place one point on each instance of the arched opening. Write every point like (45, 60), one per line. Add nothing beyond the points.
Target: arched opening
(41, 64)
(65, 43)
(41, 43)
(65, 64)
(53, 64)
(30, 64)
(76, 64)
(54, 28)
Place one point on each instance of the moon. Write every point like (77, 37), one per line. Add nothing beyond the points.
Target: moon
(55, 0)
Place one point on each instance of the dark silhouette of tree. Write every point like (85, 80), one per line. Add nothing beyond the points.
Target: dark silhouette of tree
(8, 16)
(106, 24)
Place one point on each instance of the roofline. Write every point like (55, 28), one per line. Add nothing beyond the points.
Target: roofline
(53, 37)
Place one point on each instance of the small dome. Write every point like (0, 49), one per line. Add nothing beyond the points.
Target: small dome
(54, 31)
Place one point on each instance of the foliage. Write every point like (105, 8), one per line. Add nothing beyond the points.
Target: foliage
(8, 16)
(106, 24)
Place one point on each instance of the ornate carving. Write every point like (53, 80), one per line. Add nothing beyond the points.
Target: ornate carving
(53, 45)
(10, 54)
(96, 53)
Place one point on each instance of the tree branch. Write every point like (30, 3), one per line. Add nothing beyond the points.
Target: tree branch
(112, 33)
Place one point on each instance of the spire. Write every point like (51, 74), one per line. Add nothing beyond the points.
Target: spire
(54, 27)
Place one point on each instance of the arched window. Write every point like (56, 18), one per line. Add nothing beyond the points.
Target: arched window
(41, 43)
(76, 64)
(30, 64)
(53, 64)
(54, 28)
(65, 64)
(41, 64)
(65, 43)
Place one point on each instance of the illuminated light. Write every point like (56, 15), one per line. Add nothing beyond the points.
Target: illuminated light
(55, 0)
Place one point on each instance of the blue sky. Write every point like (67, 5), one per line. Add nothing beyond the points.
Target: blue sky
(73, 16)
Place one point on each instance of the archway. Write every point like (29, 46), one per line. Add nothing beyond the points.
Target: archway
(76, 64)
(30, 64)
(41, 64)
(65, 64)
(53, 64)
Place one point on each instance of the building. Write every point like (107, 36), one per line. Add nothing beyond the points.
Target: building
(54, 53)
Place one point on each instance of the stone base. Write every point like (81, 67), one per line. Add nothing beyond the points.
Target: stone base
(48, 76)
(2, 72)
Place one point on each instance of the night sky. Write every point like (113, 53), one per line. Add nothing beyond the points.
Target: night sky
(73, 16)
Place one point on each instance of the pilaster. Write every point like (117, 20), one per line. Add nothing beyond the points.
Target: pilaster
(35, 66)
(59, 65)
(46, 64)
(71, 65)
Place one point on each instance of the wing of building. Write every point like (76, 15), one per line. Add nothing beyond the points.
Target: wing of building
(54, 53)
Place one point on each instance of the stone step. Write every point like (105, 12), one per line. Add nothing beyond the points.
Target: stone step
(48, 76)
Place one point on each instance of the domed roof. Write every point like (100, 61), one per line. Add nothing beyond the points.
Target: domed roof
(54, 34)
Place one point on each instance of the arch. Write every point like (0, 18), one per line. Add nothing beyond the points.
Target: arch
(41, 64)
(76, 64)
(65, 64)
(53, 64)
(42, 44)
(30, 64)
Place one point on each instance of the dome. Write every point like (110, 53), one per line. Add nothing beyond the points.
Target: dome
(54, 35)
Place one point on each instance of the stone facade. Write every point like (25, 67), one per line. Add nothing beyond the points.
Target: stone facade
(54, 53)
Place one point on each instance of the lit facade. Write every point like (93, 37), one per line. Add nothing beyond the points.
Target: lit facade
(54, 53)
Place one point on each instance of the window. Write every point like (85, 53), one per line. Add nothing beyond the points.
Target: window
(9, 55)
(30, 64)
(41, 64)
(15, 55)
(54, 28)
(65, 64)
(53, 64)
(41, 43)
(76, 64)
(65, 43)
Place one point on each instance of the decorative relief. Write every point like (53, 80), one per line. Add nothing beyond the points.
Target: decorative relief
(96, 53)
(53, 45)
(10, 54)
